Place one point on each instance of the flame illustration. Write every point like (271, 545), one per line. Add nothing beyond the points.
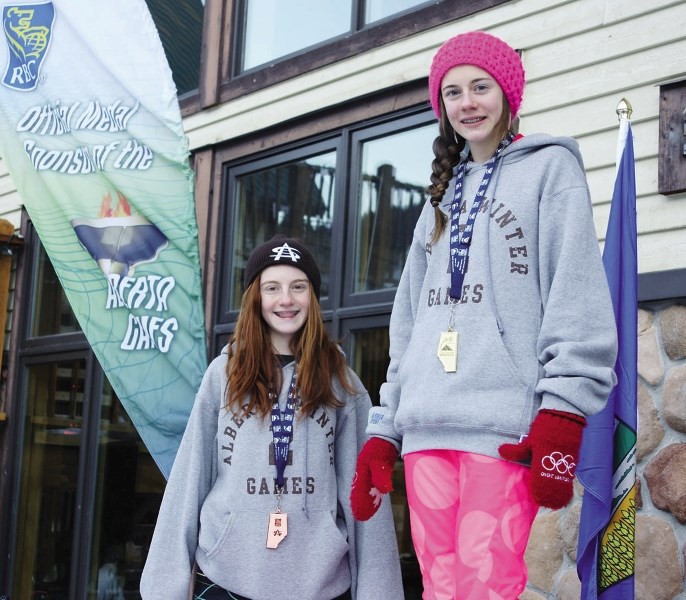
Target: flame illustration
(123, 208)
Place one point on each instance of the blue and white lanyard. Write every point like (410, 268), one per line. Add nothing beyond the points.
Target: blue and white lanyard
(282, 430)
(460, 241)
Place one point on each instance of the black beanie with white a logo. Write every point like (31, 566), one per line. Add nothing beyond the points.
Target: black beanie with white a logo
(282, 250)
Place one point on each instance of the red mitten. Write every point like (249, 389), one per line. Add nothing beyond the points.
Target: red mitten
(373, 477)
(552, 446)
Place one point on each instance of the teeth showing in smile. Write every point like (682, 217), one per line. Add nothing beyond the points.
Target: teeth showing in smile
(471, 121)
(287, 314)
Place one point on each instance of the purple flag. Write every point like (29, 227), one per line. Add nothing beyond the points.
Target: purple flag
(607, 463)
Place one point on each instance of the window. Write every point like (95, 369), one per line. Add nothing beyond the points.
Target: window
(354, 198)
(53, 445)
(85, 490)
(368, 351)
(671, 174)
(295, 198)
(249, 45)
(272, 29)
(392, 177)
(376, 10)
(51, 311)
(179, 25)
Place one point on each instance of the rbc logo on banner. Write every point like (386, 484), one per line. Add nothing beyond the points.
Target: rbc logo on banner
(28, 28)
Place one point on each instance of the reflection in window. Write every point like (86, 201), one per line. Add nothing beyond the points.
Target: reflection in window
(369, 358)
(274, 28)
(179, 25)
(52, 313)
(53, 437)
(128, 492)
(296, 199)
(375, 10)
(394, 173)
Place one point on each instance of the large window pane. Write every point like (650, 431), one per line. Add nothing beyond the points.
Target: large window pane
(369, 359)
(179, 24)
(52, 446)
(296, 199)
(276, 28)
(52, 313)
(393, 175)
(375, 10)
(127, 499)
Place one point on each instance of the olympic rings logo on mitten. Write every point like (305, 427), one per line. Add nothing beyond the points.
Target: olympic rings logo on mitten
(556, 461)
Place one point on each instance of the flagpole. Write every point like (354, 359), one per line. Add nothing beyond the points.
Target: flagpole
(624, 110)
(607, 461)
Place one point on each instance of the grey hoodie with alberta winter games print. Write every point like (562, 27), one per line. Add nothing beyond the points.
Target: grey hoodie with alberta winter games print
(221, 492)
(535, 322)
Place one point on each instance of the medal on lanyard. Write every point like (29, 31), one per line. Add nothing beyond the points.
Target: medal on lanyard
(460, 242)
(282, 434)
(447, 344)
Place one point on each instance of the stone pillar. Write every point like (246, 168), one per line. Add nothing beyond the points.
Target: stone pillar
(661, 466)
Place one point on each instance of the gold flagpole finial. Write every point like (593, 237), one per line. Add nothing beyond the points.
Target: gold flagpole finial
(624, 109)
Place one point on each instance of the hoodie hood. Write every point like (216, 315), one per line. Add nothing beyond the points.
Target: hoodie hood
(522, 148)
(526, 144)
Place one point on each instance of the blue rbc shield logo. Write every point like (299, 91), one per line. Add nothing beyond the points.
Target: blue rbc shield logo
(28, 29)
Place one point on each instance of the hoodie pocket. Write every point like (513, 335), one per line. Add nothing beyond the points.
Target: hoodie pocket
(311, 540)
(488, 390)
(207, 540)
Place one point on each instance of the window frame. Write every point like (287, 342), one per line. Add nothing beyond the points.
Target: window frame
(340, 305)
(359, 136)
(231, 173)
(25, 353)
(211, 205)
(220, 81)
(60, 340)
(348, 326)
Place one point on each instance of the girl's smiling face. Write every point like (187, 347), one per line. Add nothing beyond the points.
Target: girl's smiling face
(285, 302)
(474, 104)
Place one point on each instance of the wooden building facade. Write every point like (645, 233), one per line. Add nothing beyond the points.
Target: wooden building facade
(316, 122)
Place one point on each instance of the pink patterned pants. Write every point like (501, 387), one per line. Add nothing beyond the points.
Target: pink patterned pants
(471, 517)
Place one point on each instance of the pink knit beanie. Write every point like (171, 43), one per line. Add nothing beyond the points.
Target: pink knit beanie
(486, 52)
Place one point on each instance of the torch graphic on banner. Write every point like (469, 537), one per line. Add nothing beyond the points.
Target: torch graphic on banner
(117, 240)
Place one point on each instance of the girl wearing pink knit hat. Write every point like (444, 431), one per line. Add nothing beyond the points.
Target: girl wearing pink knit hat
(502, 336)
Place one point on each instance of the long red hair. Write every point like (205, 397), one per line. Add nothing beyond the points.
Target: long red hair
(253, 368)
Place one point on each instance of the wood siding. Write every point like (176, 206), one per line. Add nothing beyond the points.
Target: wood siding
(10, 202)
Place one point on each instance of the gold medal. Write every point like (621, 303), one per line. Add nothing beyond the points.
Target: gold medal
(447, 351)
(278, 528)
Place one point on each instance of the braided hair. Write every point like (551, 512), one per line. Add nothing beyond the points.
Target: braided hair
(447, 148)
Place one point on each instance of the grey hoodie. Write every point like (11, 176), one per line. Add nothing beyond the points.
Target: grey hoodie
(220, 493)
(535, 322)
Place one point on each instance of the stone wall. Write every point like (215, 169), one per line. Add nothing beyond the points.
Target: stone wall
(661, 456)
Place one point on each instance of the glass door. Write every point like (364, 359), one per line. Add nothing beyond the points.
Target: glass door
(87, 491)
(52, 446)
(368, 338)
(128, 492)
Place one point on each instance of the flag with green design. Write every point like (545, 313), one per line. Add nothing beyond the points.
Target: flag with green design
(91, 133)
